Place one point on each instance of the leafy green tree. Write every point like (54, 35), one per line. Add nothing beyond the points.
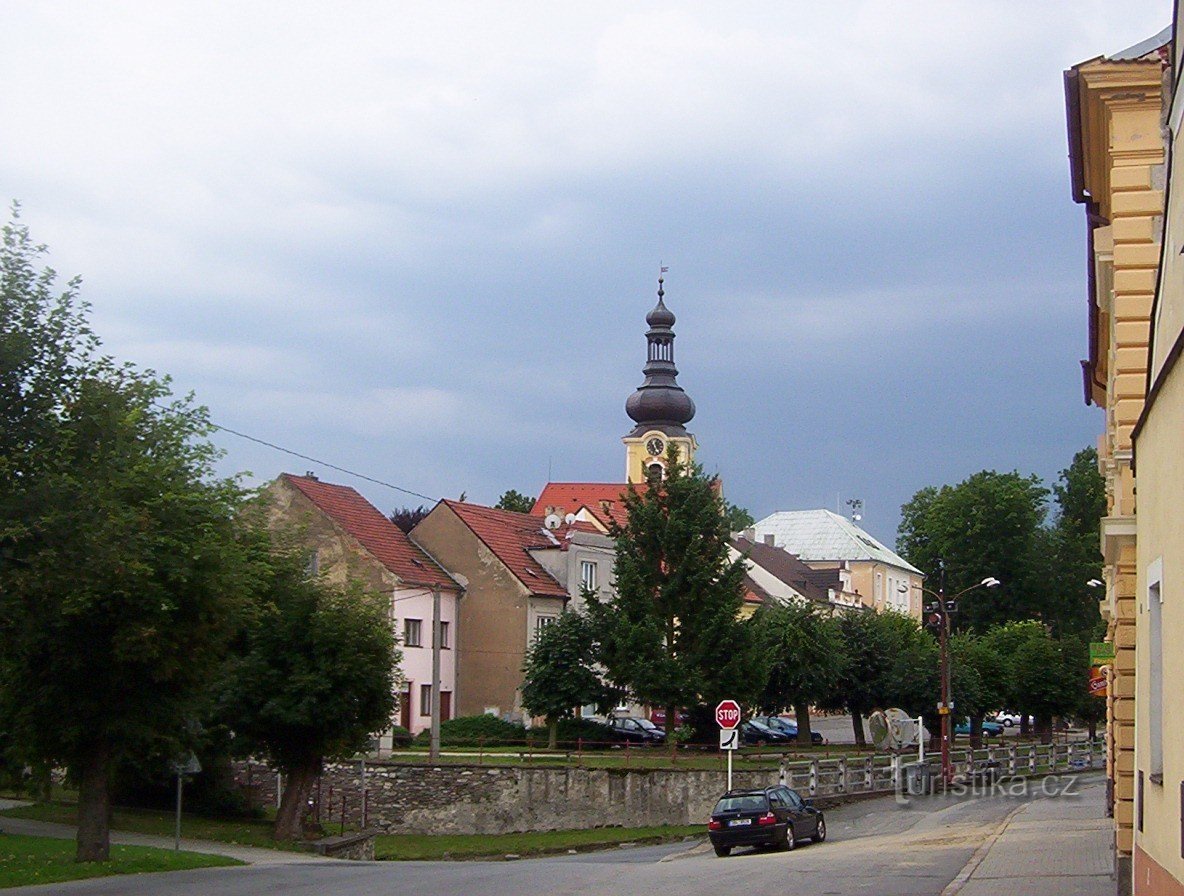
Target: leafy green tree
(976, 679)
(117, 586)
(804, 659)
(1072, 554)
(1043, 676)
(885, 665)
(560, 673)
(987, 525)
(671, 637)
(313, 677)
(739, 519)
(515, 501)
(915, 675)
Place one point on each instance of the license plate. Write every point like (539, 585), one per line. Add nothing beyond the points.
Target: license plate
(739, 822)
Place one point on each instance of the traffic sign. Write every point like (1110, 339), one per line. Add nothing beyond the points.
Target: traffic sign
(729, 739)
(727, 714)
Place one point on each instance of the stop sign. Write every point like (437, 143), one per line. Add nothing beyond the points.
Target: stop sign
(727, 714)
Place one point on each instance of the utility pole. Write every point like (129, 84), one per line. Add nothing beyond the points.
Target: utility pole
(947, 771)
(434, 752)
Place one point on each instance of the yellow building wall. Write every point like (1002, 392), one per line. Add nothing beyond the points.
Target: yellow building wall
(1122, 160)
(638, 457)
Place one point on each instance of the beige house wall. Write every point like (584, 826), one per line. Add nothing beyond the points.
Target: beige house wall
(495, 616)
(1122, 157)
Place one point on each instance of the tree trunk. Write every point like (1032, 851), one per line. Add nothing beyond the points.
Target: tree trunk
(1044, 729)
(857, 726)
(552, 734)
(94, 807)
(289, 820)
(976, 732)
(668, 726)
(1025, 730)
(1093, 730)
(802, 712)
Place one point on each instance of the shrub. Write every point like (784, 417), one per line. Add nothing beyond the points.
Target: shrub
(594, 734)
(471, 731)
(400, 737)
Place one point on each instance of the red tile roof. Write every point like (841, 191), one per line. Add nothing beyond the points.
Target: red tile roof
(603, 500)
(511, 537)
(385, 541)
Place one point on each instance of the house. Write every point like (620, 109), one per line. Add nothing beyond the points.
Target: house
(776, 576)
(1157, 447)
(520, 573)
(348, 538)
(823, 540)
(1114, 106)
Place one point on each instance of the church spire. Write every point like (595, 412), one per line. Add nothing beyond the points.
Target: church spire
(660, 403)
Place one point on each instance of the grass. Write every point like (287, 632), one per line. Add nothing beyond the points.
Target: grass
(245, 832)
(471, 846)
(46, 860)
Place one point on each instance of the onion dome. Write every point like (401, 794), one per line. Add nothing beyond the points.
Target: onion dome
(660, 403)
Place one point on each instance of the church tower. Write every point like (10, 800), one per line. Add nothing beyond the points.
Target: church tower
(659, 407)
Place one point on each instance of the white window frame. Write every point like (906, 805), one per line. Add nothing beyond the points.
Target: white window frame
(409, 626)
(589, 575)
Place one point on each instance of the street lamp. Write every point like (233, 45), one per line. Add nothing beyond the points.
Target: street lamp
(939, 613)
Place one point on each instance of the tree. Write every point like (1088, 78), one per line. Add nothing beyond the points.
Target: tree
(118, 585)
(313, 676)
(672, 636)
(976, 679)
(407, 518)
(1073, 557)
(1043, 676)
(987, 525)
(515, 501)
(560, 673)
(739, 519)
(803, 656)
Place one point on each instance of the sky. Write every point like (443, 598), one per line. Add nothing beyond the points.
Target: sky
(418, 241)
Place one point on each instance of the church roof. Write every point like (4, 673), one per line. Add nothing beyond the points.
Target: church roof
(603, 500)
(817, 535)
(511, 537)
(385, 541)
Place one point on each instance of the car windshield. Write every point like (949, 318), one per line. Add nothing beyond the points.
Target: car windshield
(646, 723)
(746, 802)
(758, 726)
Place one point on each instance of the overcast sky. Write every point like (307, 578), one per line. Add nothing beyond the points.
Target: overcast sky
(419, 240)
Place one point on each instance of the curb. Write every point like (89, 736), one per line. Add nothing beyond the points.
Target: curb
(955, 886)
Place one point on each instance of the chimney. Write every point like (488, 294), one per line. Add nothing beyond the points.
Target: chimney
(769, 539)
(309, 474)
(750, 535)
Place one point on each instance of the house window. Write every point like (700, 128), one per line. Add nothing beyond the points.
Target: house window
(542, 622)
(412, 633)
(312, 564)
(425, 699)
(588, 574)
(443, 635)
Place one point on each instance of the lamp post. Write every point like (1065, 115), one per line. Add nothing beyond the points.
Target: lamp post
(939, 614)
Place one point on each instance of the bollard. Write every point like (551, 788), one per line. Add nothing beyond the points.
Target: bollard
(813, 776)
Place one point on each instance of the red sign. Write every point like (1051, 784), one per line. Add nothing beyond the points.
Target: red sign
(1097, 682)
(727, 714)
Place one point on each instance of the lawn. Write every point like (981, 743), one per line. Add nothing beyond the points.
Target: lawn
(45, 860)
(471, 846)
(245, 832)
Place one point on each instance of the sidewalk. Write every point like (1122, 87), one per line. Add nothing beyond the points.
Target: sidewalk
(1057, 846)
(250, 854)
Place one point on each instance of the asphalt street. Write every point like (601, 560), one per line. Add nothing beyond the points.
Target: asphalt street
(875, 847)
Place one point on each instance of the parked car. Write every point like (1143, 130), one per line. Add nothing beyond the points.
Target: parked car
(1007, 719)
(658, 717)
(774, 816)
(753, 733)
(636, 731)
(788, 727)
(990, 729)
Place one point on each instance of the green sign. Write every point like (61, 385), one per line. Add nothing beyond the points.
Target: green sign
(1100, 653)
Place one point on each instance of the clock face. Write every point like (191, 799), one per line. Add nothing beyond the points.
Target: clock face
(655, 447)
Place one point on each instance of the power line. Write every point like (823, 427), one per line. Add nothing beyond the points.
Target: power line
(323, 463)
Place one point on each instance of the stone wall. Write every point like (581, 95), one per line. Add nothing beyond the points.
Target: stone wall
(473, 799)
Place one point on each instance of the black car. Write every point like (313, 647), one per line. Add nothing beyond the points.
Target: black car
(787, 727)
(774, 816)
(636, 731)
(753, 733)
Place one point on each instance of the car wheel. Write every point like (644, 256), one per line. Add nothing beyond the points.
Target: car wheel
(789, 842)
(820, 834)
(723, 851)
(1007, 723)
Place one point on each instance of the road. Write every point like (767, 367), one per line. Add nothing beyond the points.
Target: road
(874, 847)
